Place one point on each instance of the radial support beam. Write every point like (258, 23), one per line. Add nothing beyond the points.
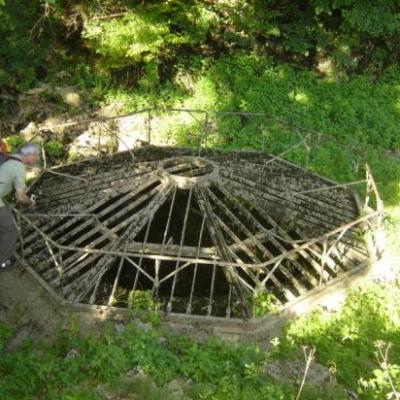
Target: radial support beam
(260, 246)
(217, 237)
(135, 224)
(183, 233)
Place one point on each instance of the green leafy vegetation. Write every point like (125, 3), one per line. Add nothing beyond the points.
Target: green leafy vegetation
(142, 305)
(347, 339)
(5, 333)
(146, 44)
(23, 48)
(54, 149)
(263, 303)
(75, 362)
(139, 359)
(14, 142)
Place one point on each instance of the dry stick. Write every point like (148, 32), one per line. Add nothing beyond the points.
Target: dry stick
(156, 278)
(367, 191)
(247, 249)
(309, 357)
(228, 310)
(234, 256)
(61, 271)
(383, 362)
(36, 27)
(325, 271)
(175, 272)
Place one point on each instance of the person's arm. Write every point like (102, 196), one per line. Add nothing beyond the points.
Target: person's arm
(20, 186)
(23, 198)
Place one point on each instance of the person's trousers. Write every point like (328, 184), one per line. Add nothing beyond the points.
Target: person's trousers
(8, 234)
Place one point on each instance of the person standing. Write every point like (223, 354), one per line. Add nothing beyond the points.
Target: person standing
(12, 176)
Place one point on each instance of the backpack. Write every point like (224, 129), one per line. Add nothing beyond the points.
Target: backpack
(3, 151)
(4, 155)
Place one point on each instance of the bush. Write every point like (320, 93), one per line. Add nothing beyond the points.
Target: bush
(54, 149)
(21, 50)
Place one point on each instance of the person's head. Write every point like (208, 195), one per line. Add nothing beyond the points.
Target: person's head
(29, 153)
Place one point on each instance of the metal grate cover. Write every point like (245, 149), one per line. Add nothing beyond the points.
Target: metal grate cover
(204, 234)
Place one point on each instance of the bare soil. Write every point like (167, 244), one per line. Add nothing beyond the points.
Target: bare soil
(24, 305)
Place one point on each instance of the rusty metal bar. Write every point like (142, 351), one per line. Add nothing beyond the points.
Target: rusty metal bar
(146, 237)
(74, 258)
(135, 225)
(116, 280)
(183, 233)
(256, 243)
(189, 305)
(210, 301)
(230, 273)
(221, 263)
(137, 186)
(168, 221)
